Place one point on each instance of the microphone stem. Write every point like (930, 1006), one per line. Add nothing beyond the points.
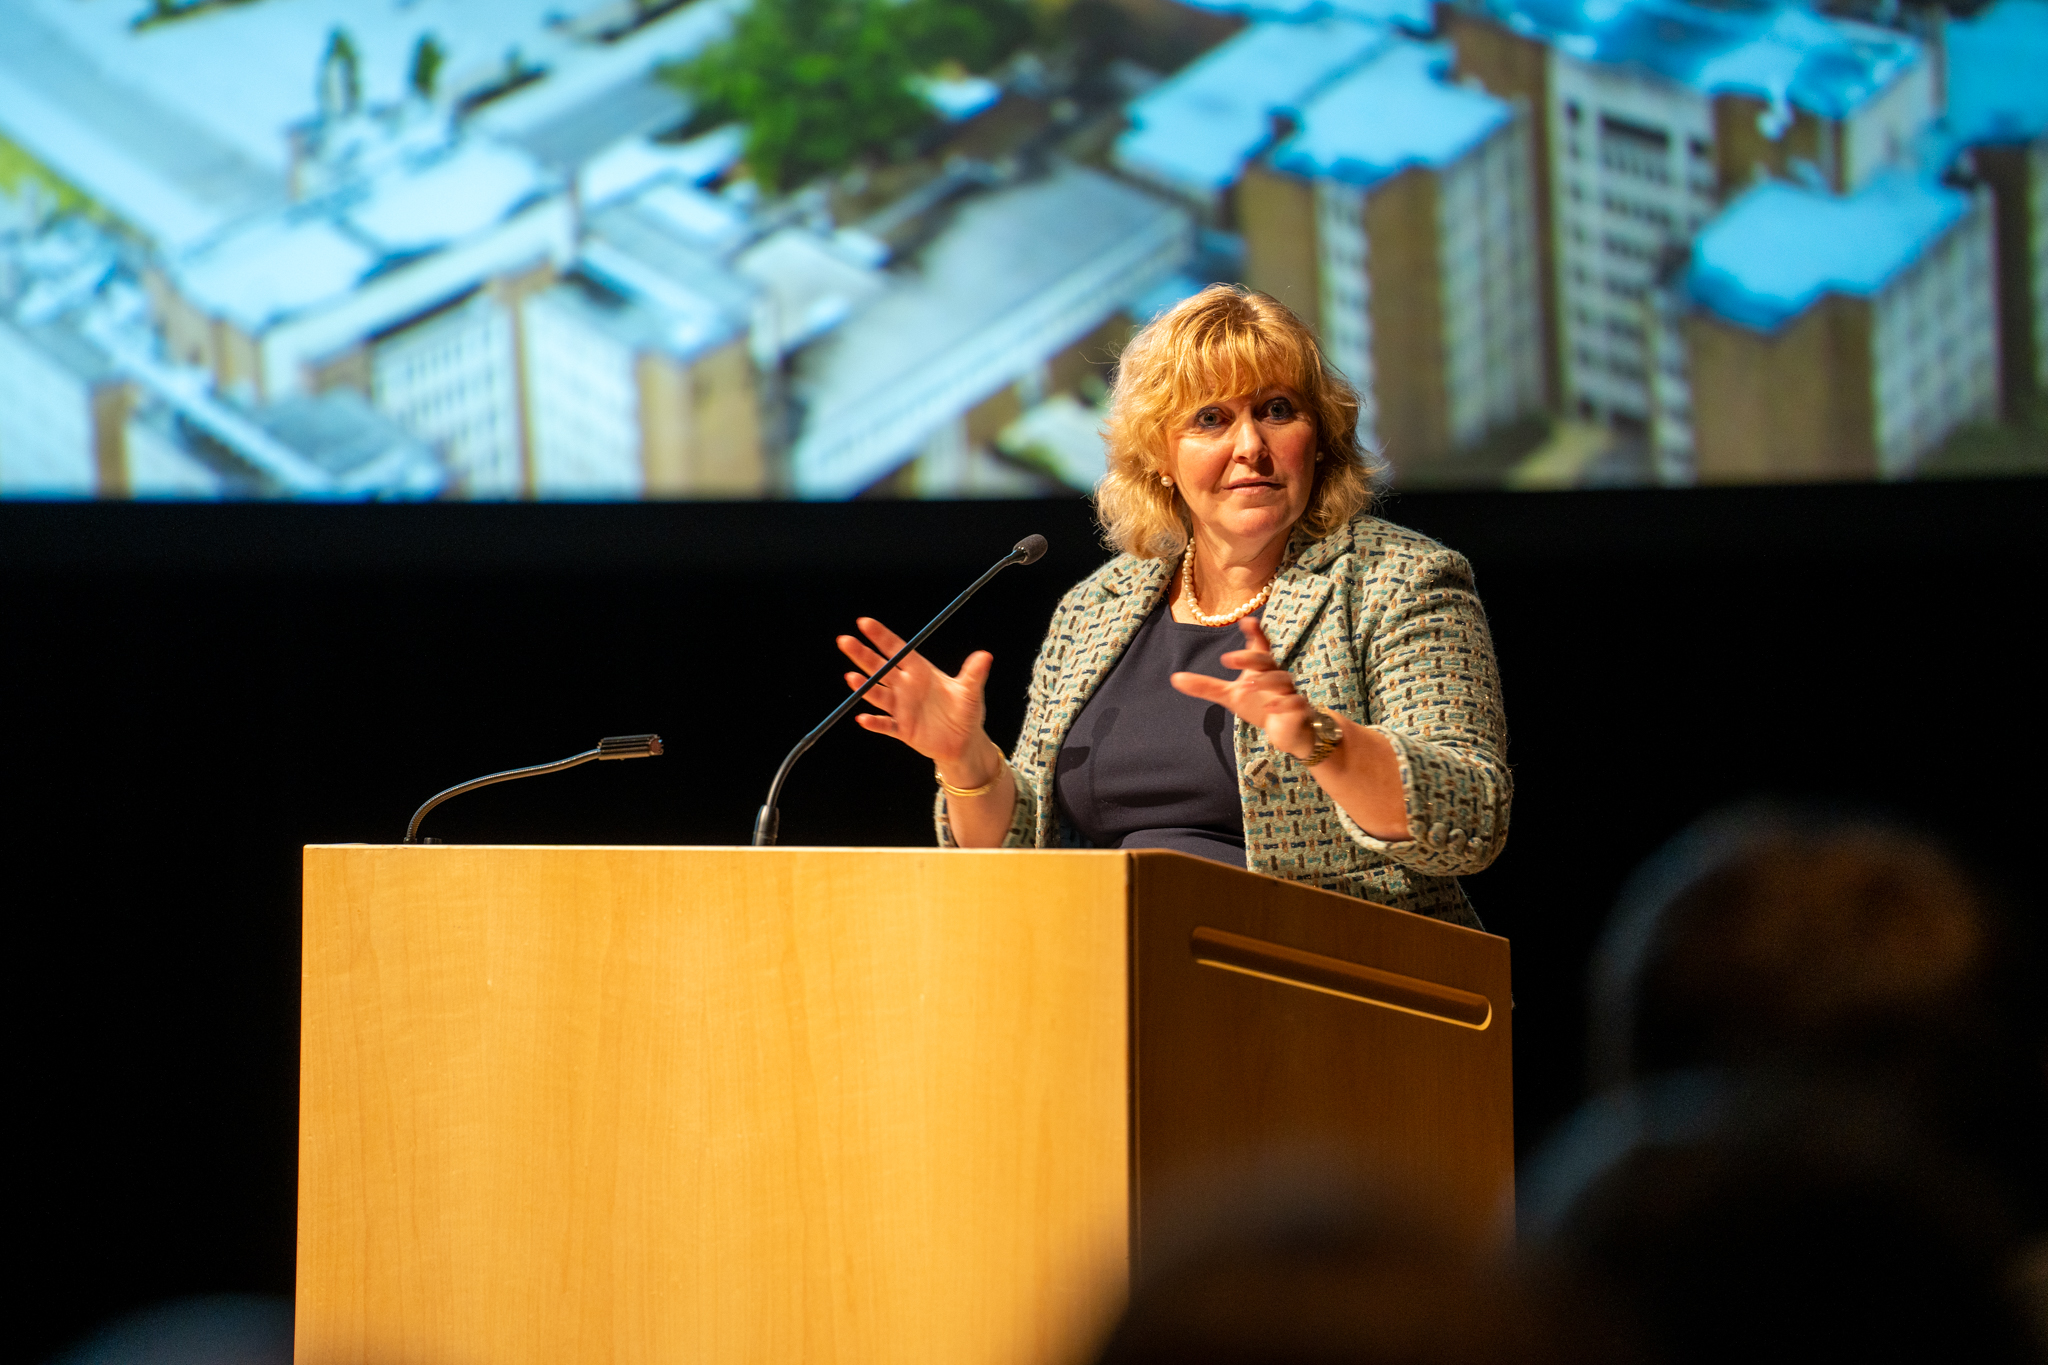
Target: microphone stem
(767, 823)
(412, 830)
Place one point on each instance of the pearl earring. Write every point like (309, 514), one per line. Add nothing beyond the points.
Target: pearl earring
(1166, 479)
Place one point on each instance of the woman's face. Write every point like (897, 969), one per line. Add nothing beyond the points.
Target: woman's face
(1246, 466)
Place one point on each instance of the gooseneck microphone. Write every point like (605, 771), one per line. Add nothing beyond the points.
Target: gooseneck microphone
(1028, 551)
(617, 746)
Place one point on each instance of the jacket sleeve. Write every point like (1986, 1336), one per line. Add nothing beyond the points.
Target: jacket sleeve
(1433, 689)
(1034, 780)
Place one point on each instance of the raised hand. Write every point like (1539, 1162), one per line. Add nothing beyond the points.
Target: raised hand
(1262, 693)
(936, 713)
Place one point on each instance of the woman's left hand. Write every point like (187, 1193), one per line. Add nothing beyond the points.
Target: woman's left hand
(1362, 774)
(1262, 694)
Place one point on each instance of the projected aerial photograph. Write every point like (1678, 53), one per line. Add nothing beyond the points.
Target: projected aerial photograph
(828, 249)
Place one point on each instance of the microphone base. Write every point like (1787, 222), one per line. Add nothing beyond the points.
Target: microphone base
(766, 825)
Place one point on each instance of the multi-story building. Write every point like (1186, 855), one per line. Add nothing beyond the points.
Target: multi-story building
(452, 379)
(971, 326)
(1651, 113)
(1193, 134)
(642, 369)
(404, 288)
(159, 461)
(1840, 336)
(584, 345)
(1998, 109)
(64, 409)
(1415, 16)
(358, 451)
(72, 417)
(205, 116)
(1407, 202)
(143, 150)
(338, 232)
(77, 421)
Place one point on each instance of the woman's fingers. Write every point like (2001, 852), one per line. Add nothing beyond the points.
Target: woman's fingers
(1260, 698)
(1274, 681)
(878, 695)
(933, 712)
(974, 672)
(879, 635)
(1262, 694)
(865, 659)
(1203, 686)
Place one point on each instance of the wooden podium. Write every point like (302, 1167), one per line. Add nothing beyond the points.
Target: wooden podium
(838, 1105)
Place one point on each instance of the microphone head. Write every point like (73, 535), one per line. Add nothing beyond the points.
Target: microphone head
(1032, 548)
(629, 746)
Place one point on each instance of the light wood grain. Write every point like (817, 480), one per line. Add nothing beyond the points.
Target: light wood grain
(613, 1104)
(816, 1105)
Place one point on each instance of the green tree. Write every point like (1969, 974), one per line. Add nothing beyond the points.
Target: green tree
(819, 83)
(977, 34)
(428, 56)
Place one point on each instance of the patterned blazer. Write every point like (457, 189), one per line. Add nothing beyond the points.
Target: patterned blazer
(1376, 623)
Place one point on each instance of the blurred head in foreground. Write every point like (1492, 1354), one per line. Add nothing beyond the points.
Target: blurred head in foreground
(1740, 1218)
(1298, 1282)
(219, 1329)
(1788, 940)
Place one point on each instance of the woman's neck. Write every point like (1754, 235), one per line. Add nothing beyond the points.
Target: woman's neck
(1228, 572)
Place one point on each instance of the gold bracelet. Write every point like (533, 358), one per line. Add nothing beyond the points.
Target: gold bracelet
(983, 790)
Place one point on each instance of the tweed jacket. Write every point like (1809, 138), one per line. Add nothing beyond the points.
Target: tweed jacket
(1376, 623)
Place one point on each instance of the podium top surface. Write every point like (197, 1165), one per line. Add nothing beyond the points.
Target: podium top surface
(1223, 871)
(782, 848)
(786, 848)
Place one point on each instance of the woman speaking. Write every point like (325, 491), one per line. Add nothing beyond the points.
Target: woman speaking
(1367, 750)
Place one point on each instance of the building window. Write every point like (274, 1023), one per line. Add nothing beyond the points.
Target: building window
(1638, 134)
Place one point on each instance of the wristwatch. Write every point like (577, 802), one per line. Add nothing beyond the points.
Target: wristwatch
(1329, 733)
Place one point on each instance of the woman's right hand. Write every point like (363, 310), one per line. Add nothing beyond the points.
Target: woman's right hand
(938, 714)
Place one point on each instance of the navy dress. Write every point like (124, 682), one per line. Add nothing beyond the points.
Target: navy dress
(1145, 766)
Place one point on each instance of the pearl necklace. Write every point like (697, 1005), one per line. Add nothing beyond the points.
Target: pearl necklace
(1187, 594)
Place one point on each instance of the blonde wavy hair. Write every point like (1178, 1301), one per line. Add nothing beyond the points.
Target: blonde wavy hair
(1224, 342)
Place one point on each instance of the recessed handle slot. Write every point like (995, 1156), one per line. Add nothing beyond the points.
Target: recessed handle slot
(1334, 976)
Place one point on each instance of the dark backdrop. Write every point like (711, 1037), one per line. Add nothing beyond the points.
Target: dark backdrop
(191, 693)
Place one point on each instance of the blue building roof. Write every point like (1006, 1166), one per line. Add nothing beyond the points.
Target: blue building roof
(1394, 112)
(1773, 253)
(1779, 53)
(1998, 73)
(1417, 16)
(1196, 131)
